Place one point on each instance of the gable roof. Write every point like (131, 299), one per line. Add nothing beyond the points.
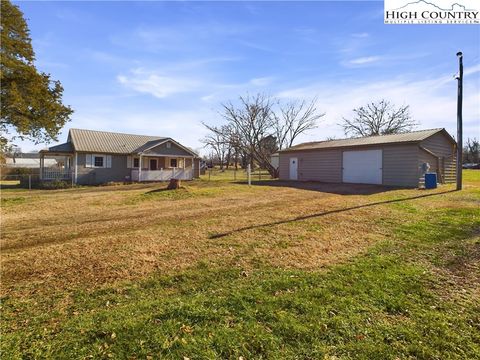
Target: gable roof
(108, 142)
(414, 136)
(65, 147)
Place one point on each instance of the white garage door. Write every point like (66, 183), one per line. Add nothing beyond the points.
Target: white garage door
(362, 167)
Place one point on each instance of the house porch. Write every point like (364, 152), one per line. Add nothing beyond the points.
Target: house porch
(63, 170)
(162, 168)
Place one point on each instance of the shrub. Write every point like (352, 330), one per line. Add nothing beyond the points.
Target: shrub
(55, 184)
(36, 183)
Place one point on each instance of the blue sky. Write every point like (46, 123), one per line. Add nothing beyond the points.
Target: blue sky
(162, 68)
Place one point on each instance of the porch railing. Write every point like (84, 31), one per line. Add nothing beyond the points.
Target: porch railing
(56, 174)
(162, 175)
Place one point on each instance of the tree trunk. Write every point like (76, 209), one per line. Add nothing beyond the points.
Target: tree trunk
(174, 184)
(228, 159)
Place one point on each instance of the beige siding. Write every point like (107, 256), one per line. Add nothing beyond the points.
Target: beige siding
(439, 144)
(401, 162)
(284, 159)
(320, 165)
(324, 166)
(171, 150)
(443, 163)
(400, 165)
(118, 171)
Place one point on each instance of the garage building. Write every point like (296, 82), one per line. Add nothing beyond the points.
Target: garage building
(392, 160)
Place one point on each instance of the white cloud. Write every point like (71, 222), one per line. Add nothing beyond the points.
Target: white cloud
(361, 35)
(261, 81)
(432, 101)
(364, 60)
(157, 85)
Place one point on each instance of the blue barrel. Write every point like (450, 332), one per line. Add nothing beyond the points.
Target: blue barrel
(430, 181)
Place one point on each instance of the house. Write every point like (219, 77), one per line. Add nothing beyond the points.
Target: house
(95, 157)
(393, 160)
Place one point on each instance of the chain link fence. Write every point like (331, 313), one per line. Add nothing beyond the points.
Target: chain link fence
(13, 181)
(31, 181)
(232, 174)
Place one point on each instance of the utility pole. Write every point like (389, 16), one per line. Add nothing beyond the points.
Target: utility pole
(459, 121)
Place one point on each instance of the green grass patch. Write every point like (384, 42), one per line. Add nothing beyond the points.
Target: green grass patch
(163, 194)
(471, 175)
(382, 305)
(10, 201)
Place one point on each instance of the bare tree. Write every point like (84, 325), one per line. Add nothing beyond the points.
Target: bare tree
(295, 118)
(218, 143)
(471, 151)
(379, 118)
(258, 126)
(251, 122)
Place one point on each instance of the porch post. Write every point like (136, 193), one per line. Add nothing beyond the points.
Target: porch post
(193, 168)
(140, 168)
(66, 166)
(41, 166)
(75, 160)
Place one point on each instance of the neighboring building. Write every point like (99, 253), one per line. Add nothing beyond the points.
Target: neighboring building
(28, 160)
(95, 157)
(394, 160)
(275, 160)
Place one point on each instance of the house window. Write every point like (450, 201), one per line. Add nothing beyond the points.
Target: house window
(173, 163)
(136, 162)
(98, 161)
(169, 145)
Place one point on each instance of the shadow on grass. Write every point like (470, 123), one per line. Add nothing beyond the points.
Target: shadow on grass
(10, 186)
(324, 213)
(333, 188)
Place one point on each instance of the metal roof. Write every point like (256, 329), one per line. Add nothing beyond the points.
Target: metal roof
(414, 136)
(109, 142)
(65, 147)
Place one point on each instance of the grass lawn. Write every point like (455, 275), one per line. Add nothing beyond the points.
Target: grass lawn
(220, 270)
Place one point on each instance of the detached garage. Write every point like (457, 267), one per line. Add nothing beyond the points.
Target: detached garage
(393, 160)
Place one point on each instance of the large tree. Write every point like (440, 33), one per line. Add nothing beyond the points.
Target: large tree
(31, 102)
(293, 119)
(378, 118)
(258, 125)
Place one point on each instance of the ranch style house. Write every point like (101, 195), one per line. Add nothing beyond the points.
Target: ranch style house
(96, 157)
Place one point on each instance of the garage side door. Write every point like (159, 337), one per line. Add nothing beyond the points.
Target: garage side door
(362, 167)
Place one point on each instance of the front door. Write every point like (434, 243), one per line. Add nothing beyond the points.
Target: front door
(153, 164)
(293, 169)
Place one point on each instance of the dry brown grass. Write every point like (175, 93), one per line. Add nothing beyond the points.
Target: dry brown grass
(96, 236)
